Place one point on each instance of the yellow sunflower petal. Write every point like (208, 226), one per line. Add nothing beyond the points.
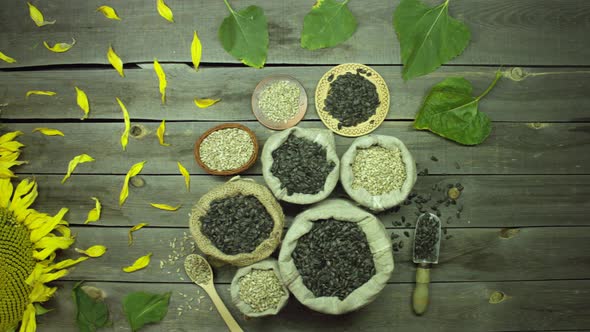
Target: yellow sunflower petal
(133, 171)
(39, 93)
(24, 195)
(133, 229)
(160, 133)
(5, 192)
(161, 78)
(94, 214)
(79, 159)
(29, 323)
(94, 251)
(206, 102)
(108, 12)
(49, 131)
(6, 58)
(60, 47)
(48, 226)
(116, 61)
(125, 135)
(186, 175)
(165, 11)
(41, 293)
(139, 264)
(10, 136)
(49, 245)
(65, 264)
(196, 51)
(82, 101)
(165, 207)
(37, 16)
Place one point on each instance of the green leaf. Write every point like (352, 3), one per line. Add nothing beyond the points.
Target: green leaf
(244, 35)
(91, 314)
(451, 112)
(40, 310)
(143, 308)
(328, 24)
(428, 37)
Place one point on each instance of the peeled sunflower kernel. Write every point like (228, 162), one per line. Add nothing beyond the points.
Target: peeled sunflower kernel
(206, 102)
(164, 10)
(37, 16)
(79, 159)
(108, 12)
(116, 61)
(49, 131)
(94, 251)
(196, 51)
(82, 101)
(160, 133)
(165, 207)
(139, 264)
(133, 229)
(6, 58)
(60, 47)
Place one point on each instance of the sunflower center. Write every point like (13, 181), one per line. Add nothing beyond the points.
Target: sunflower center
(16, 264)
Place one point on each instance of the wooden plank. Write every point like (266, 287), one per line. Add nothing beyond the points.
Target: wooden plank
(556, 94)
(520, 32)
(512, 148)
(476, 254)
(531, 306)
(488, 201)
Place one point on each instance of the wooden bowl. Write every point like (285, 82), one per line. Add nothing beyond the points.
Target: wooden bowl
(242, 168)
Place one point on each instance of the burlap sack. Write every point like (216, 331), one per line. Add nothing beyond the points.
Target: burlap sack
(379, 243)
(323, 137)
(267, 264)
(362, 196)
(233, 187)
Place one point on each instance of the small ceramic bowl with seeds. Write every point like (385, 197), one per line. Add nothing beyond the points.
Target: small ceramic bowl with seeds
(279, 102)
(227, 149)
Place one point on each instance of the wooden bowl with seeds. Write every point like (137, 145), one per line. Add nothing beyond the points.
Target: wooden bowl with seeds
(227, 149)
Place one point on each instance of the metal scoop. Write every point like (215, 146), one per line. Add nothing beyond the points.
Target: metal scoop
(426, 250)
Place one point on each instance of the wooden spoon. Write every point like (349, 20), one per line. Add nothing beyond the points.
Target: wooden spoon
(198, 269)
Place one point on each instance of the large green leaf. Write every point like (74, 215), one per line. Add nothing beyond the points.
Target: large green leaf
(91, 314)
(428, 37)
(328, 24)
(143, 308)
(452, 112)
(244, 35)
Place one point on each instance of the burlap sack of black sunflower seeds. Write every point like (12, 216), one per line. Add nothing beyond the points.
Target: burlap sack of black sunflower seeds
(307, 167)
(239, 214)
(363, 180)
(333, 265)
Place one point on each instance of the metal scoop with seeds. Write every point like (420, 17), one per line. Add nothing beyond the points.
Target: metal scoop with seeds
(426, 251)
(198, 269)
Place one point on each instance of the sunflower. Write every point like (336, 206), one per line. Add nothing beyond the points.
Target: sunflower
(9, 153)
(28, 244)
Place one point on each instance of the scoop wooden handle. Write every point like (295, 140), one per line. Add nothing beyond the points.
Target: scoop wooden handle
(420, 296)
(222, 309)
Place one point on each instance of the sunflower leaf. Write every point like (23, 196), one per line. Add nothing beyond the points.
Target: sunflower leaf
(143, 308)
(328, 24)
(90, 314)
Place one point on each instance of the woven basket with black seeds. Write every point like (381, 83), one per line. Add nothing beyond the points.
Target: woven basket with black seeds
(246, 187)
(325, 139)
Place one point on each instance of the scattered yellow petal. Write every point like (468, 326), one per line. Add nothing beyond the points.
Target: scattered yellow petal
(165, 11)
(133, 171)
(186, 174)
(116, 61)
(60, 47)
(133, 229)
(39, 93)
(6, 58)
(162, 78)
(82, 100)
(139, 264)
(206, 102)
(160, 132)
(109, 12)
(80, 159)
(49, 131)
(196, 50)
(94, 251)
(125, 135)
(37, 16)
(165, 207)
(94, 214)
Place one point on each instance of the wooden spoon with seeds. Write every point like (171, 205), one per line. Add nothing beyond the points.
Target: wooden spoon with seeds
(198, 269)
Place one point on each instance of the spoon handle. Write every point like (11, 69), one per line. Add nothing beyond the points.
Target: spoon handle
(222, 309)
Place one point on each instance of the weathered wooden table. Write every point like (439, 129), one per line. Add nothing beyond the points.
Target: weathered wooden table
(530, 175)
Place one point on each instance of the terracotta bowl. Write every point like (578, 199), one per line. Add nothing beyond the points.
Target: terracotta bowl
(241, 169)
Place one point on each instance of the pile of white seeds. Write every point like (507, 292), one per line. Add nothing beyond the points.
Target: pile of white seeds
(378, 170)
(261, 290)
(226, 149)
(279, 101)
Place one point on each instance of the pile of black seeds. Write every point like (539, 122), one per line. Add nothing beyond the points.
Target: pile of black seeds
(426, 238)
(352, 99)
(301, 165)
(236, 224)
(334, 258)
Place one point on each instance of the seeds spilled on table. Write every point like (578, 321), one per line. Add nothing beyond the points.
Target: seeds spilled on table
(352, 99)
(301, 165)
(261, 290)
(378, 170)
(226, 149)
(279, 101)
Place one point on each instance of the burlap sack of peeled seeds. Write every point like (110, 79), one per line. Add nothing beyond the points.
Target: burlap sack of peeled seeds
(361, 195)
(245, 308)
(323, 137)
(379, 244)
(234, 187)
